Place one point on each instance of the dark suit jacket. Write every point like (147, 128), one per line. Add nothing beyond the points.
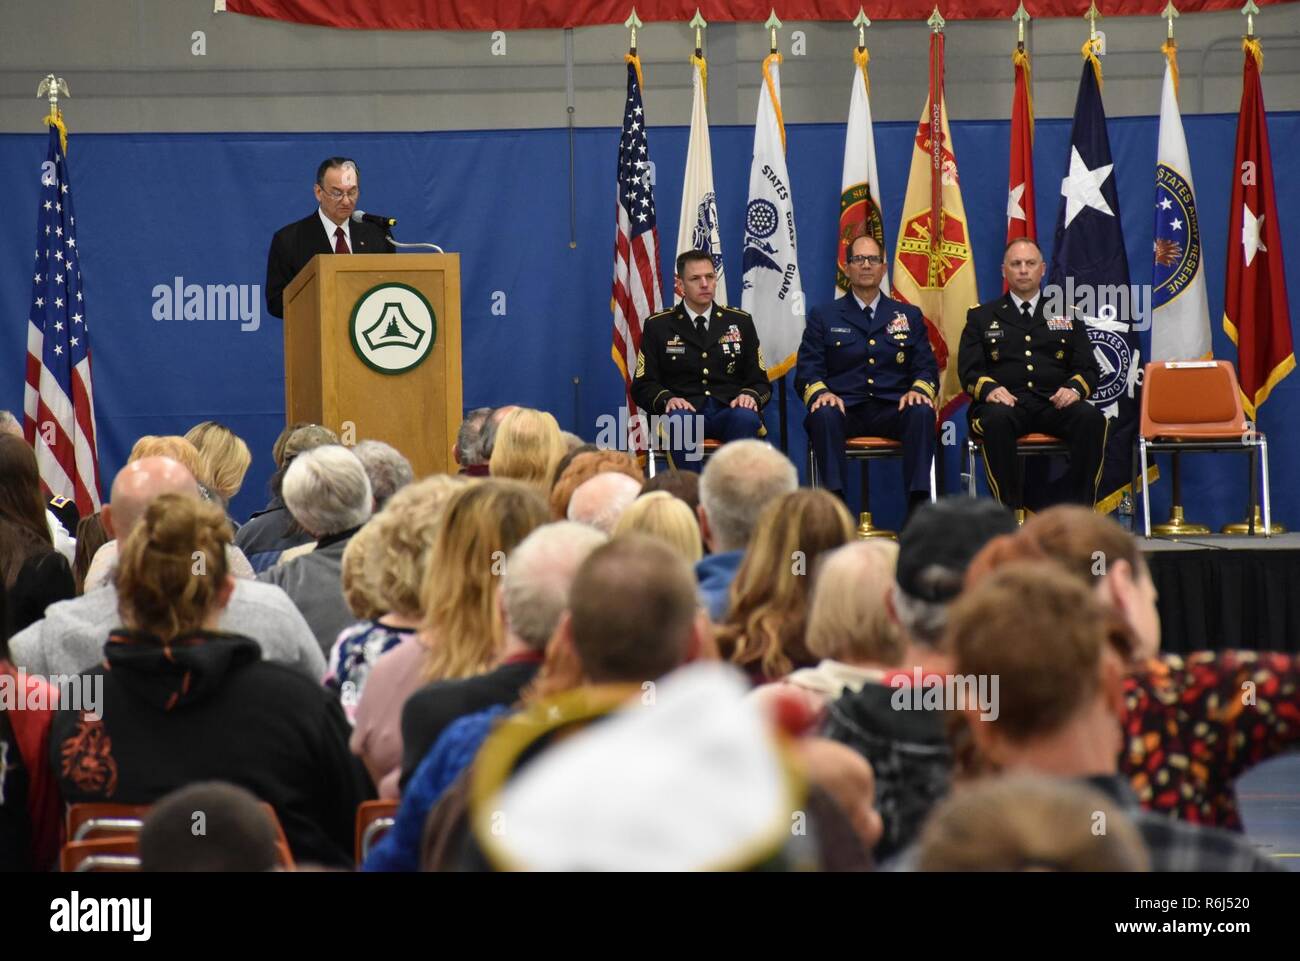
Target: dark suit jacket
(856, 360)
(294, 246)
(998, 349)
(675, 361)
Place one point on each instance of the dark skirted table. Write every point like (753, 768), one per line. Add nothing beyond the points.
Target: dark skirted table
(1218, 592)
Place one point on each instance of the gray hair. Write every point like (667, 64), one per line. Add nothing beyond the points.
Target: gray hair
(9, 424)
(601, 500)
(539, 571)
(923, 621)
(389, 471)
(469, 439)
(739, 480)
(327, 491)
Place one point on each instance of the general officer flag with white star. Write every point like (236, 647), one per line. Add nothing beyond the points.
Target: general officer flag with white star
(1089, 275)
(58, 402)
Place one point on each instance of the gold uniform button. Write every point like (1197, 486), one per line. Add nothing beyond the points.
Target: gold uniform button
(1031, 384)
(1026, 337)
(870, 380)
(1029, 353)
(706, 393)
(1029, 366)
(837, 343)
(871, 343)
(705, 355)
(871, 360)
(706, 370)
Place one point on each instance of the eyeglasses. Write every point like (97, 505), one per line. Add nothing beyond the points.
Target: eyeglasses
(336, 195)
(873, 259)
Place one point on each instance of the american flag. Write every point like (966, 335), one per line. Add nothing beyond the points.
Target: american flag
(637, 290)
(58, 403)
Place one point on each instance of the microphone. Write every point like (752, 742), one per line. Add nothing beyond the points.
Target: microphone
(361, 217)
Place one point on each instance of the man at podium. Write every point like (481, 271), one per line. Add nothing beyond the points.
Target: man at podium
(329, 230)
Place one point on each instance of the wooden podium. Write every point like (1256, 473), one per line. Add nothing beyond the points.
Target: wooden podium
(372, 351)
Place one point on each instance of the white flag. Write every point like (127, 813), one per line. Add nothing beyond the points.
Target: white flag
(698, 226)
(772, 292)
(1180, 324)
(860, 211)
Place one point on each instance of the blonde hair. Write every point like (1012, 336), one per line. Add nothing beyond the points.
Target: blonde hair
(1029, 823)
(405, 531)
(462, 625)
(663, 516)
(225, 457)
(173, 566)
(527, 447)
(848, 620)
(358, 573)
(764, 628)
(174, 446)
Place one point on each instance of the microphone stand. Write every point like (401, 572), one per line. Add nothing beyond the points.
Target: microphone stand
(398, 243)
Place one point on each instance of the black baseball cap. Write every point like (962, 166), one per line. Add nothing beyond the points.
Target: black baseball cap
(939, 541)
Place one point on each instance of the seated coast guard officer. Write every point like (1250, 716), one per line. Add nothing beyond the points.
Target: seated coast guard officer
(701, 365)
(866, 367)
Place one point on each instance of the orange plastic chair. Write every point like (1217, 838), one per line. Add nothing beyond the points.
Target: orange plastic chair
(864, 450)
(90, 822)
(374, 820)
(1195, 407)
(1033, 444)
(101, 854)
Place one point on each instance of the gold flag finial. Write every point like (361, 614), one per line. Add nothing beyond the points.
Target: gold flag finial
(936, 21)
(1170, 13)
(773, 24)
(699, 23)
(861, 21)
(1092, 16)
(1021, 17)
(1250, 10)
(633, 23)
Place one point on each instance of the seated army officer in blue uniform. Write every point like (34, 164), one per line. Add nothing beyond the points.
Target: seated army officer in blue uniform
(700, 364)
(866, 368)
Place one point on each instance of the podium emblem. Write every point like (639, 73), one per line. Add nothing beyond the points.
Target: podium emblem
(392, 328)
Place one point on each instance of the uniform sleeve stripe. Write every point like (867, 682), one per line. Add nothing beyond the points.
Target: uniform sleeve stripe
(812, 389)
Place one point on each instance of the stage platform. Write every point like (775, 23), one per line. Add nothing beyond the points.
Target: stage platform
(1218, 591)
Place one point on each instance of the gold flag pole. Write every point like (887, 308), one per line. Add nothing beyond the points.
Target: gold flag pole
(699, 23)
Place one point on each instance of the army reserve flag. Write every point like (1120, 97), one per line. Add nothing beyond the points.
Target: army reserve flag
(859, 182)
(772, 293)
(933, 265)
(1180, 324)
(697, 228)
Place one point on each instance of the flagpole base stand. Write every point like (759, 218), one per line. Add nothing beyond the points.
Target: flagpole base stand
(1243, 527)
(1020, 517)
(1178, 526)
(868, 530)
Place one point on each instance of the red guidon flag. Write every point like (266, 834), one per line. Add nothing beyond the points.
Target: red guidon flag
(1021, 221)
(1255, 313)
(933, 265)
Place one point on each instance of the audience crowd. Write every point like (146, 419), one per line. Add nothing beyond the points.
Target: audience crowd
(548, 661)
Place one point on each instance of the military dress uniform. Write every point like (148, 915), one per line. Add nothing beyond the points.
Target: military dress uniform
(1015, 344)
(708, 367)
(869, 357)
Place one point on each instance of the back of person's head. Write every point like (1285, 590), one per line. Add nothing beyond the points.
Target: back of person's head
(481, 525)
(539, 573)
(277, 449)
(682, 484)
(1043, 635)
(387, 467)
(171, 570)
(138, 484)
(327, 490)
(660, 514)
(632, 608)
(91, 536)
(358, 573)
(225, 457)
(765, 624)
(488, 437)
(404, 534)
(572, 473)
(469, 449)
(601, 500)
(22, 507)
(304, 438)
(934, 550)
(849, 620)
(527, 447)
(174, 447)
(237, 832)
(738, 481)
(1025, 822)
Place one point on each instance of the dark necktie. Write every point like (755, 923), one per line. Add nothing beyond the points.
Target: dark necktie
(1026, 312)
(866, 313)
(702, 326)
(340, 242)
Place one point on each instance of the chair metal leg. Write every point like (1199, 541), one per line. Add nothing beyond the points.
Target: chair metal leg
(934, 487)
(1146, 492)
(1132, 466)
(650, 459)
(1250, 500)
(812, 467)
(1268, 513)
(970, 467)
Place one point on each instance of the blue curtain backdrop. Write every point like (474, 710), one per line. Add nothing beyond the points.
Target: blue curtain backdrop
(203, 207)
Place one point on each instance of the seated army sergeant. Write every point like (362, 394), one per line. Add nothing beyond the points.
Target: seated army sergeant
(701, 358)
(328, 230)
(1026, 372)
(866, 367)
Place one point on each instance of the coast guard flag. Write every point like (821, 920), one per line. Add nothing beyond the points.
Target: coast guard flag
(1180, 323)
(697, 228)
(772, 291)
(859, 180)
(58, 402)
(1089, 272)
